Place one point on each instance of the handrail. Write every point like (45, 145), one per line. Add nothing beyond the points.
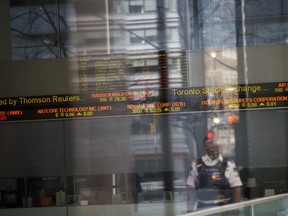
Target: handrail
(236, 206)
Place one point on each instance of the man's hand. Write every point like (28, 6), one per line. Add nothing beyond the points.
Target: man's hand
(236, 194)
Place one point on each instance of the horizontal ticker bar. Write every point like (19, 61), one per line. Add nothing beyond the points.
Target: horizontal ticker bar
(148, 101)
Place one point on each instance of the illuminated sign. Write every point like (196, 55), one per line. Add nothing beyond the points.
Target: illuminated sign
(141, 102)
(121, 70)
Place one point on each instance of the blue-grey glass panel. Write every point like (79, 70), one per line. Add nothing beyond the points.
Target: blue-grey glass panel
(32, 149)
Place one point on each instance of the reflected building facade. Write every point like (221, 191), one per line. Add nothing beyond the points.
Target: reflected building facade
(55, 47)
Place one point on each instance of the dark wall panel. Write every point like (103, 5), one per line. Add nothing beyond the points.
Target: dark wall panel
(98, 146)
(32, 149)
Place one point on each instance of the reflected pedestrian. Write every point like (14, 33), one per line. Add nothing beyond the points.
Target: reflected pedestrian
(213, 179)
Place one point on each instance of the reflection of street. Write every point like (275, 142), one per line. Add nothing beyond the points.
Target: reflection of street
(159, 208)
(154, 191)
(144, 209)
(223, 125)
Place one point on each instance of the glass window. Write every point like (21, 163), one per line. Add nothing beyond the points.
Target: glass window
(150, 6)
(151, 35)
(40, 30)
(135, 6)
(137, 36)
(159, 107)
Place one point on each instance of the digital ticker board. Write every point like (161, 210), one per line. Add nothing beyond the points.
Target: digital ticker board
(147, 101)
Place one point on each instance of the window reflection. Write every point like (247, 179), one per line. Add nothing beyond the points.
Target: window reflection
(40, 29)
(119, 45)
(47, 29)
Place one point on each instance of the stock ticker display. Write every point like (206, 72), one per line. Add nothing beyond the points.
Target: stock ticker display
(112, 72)
(144, 102)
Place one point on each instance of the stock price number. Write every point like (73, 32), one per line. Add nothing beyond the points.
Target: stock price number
(117, 99)
(120, 98)
(137, 111)
(271, 104)
(90, 113)
(69, 115)
(175, 109)
(280, 89)
(103, 99)
(155, 110)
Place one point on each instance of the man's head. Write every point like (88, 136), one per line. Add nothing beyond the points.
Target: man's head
(212, 148)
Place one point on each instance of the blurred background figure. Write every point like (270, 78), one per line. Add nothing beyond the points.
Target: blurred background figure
(213, 180)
